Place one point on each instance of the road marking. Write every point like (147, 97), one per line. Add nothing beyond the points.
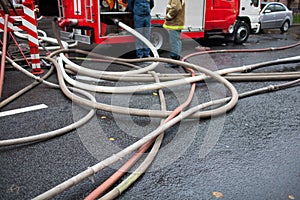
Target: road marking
(22, 110)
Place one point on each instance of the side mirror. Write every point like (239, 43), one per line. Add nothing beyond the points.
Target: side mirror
(267, 11)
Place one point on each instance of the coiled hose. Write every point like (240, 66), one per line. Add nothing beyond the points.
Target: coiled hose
(200, 75)
(91, 170)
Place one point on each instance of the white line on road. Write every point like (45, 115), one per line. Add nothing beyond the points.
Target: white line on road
(22, 110)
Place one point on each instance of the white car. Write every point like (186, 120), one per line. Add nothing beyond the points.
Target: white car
(275, 15)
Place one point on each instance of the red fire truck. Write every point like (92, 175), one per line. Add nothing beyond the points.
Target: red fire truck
(91, 21)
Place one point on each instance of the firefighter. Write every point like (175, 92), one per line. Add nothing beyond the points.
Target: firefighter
(174, 23)
(142, 23)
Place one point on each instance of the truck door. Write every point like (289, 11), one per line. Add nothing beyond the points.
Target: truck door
(220, 14)
(250, 9)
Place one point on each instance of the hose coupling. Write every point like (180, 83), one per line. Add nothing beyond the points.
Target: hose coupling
(248, 68)
(116, 21)
(271, 88)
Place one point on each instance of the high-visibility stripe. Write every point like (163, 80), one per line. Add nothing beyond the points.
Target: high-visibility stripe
(29, 24)
(10, 26)
(35, 60)
(33, 40)
(173, 27)
(29, 12)
(29, 21)
(35, 56)
(30, 18)
(35, 66)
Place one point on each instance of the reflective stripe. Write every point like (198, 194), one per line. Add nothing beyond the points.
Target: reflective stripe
(10, 26)
(77, 7)
(35, 56)
(35, 66)
(29, 12)
(34, 40)
(173, 27)
(29, 25)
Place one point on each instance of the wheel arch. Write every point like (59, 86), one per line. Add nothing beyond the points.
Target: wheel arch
(241, 31)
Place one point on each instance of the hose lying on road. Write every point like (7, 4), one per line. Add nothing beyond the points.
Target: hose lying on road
(47, 39)
(134, 76)
(60, 77)
(54, 133)
(201, 74)
(91, 170)
(148, 160)
(26, 89)
(120, 188)
(99, 166)
(265, 76)
(138, 154)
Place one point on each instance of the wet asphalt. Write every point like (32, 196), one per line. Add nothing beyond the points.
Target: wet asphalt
(252, 152)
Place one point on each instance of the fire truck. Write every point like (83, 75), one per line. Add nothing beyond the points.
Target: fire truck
(92, 21)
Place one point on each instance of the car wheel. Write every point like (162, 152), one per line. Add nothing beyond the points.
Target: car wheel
(285, 26)
(159, 38)
(241, 33)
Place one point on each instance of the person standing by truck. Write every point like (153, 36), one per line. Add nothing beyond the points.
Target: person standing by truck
(142, 23)
(174, 23)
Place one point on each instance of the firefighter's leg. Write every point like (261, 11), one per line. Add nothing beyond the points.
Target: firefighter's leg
(138, 26)
(175, 44)
(147, 32)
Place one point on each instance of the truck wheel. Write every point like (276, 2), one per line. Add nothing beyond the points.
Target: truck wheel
(159, 38)
(285, 26)
(241, 33)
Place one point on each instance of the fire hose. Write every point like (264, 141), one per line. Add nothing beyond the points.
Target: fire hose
(202, 74)
(65, 184)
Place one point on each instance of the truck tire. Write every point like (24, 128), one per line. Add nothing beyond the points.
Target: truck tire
(241, 33)
(159, 38)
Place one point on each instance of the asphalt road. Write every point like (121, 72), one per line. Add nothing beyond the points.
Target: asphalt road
(252, 152)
